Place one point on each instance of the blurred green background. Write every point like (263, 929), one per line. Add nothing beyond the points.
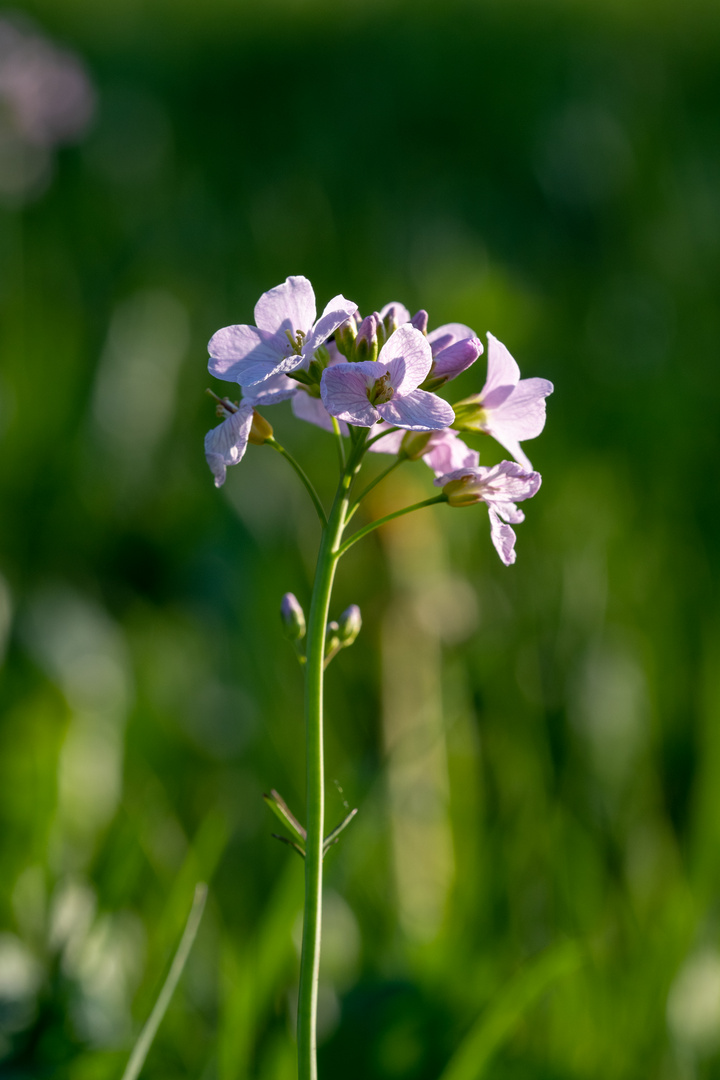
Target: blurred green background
(534, 751)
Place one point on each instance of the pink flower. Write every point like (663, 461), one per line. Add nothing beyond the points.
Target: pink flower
(387, 388)
(509, 408)
(499, 487)
(285, 337)
(443, 452)
(226, 444)
(454, 346)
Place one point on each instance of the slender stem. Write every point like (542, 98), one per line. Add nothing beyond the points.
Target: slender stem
(303, 476)
(315, 809)
(340, 443)
(388, 517)
(373, 483)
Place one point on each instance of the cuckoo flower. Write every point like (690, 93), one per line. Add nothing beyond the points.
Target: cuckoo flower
(499, 487)
(454, 346)
(226, 444)
(509, 408)
(387, 388)
(442, 451)
(285, 337)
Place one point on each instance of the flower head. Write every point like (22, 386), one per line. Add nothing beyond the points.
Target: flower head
(499, 487)
(509, 408)
(285, 337)
(387, 388)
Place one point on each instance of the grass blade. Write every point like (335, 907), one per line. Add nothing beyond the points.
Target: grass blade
(142, 1046)
(501, 1016)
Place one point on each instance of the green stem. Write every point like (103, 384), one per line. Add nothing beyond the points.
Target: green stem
(388, 517)
(315, 809)
(303, 476)
(340, 443)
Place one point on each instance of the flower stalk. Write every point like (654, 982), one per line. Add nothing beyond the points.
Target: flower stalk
(315, 811)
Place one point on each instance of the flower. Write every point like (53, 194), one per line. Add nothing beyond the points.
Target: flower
(454, 346)
(226, 444)
(508, 408)
(442, 451)
(499, 487)
(285, 337)
(387, 388)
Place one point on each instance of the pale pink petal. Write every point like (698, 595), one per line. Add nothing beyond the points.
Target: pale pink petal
(390, 443)
(313, 411)
(447, 335)
(336, 312)
(456, 358)
(522, 414)
(417, 411)
(447, 452)
(271, 391)
(290, 306)
(226, 444)
(502, 373)
(503, 538)
(509, 481)
(245, 354)
(401, 313)
(408, 358)
(344, 389)
(508, 511)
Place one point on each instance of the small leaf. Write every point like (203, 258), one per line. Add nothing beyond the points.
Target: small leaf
(334, 836)
(283, 813)
(290, 843)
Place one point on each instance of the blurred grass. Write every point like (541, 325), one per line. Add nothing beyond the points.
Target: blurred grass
(549, 173)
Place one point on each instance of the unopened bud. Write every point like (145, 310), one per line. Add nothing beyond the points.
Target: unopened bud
(420, 321)
(465, 491)
(260, 431)
(345, 336)
(414, 444)
(293, 618)
(366, 342)
(349, 625)
(469, 415)
(391, 321)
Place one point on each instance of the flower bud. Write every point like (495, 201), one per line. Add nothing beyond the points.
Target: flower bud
(366, 342)
(260, 431)
(391, 321)
(420, 321)
(349, 625)
(293, 618)
(414, 444)
(469, 415)
(462, 492)
(345, 336)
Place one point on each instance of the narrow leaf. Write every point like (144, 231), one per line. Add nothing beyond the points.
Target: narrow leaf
(496, 1024)
(283, 813)
(148, 1033)
(290, 843)
(332, 837)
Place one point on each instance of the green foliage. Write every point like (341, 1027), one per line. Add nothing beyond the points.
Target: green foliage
(534, 751)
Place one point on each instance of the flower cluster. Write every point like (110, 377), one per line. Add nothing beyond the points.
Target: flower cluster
(382, 372)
